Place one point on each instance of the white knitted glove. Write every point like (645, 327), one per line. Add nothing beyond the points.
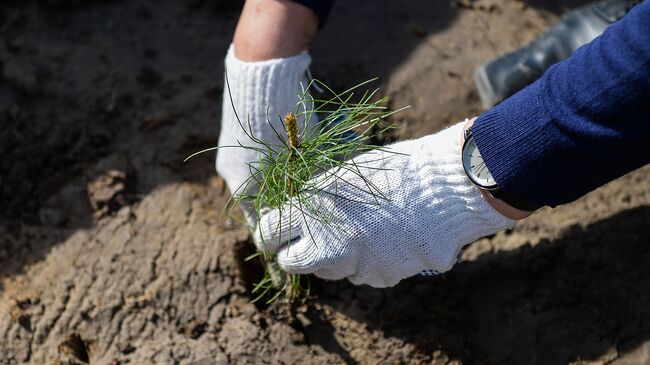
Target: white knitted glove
(432, 210)
(261, 93)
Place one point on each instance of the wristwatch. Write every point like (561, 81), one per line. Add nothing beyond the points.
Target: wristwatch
(478, 173)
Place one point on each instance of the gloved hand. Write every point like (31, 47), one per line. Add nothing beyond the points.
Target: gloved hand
(261, 93)
(430, 212)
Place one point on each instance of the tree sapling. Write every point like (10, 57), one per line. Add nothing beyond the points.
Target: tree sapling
(302, 162)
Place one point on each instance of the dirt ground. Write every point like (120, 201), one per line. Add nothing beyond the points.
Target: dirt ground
(112, 250)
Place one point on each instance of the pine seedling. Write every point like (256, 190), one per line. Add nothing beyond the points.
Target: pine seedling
(304, 161)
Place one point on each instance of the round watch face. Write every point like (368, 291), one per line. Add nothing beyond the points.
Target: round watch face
(475, 167)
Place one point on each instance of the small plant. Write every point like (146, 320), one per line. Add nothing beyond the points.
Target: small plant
(303, 161)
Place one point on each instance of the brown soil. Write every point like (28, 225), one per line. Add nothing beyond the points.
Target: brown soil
(112, 251)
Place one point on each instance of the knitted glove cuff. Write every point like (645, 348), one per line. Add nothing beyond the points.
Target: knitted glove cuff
(262, 91)
(256, 95)
(464, 213)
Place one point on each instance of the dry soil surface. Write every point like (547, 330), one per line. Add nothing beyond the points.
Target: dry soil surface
(112, 250)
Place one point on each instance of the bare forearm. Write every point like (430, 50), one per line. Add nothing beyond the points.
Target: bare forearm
(269, 29)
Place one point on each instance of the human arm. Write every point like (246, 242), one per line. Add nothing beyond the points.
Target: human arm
(584, 123)
(270, 29)
(266, 67)
(587, 114)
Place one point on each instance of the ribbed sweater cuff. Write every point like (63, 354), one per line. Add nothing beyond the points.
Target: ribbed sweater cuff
(515, 138)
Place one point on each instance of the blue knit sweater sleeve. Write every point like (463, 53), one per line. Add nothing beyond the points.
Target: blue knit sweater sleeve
(584, 123)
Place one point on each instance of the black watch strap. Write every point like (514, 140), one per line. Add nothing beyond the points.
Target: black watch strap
(515, 201)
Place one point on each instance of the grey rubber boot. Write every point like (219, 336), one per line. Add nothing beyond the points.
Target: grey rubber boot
(500, 78)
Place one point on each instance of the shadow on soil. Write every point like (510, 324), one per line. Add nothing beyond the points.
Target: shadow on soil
(364, 39)
(579, 295)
